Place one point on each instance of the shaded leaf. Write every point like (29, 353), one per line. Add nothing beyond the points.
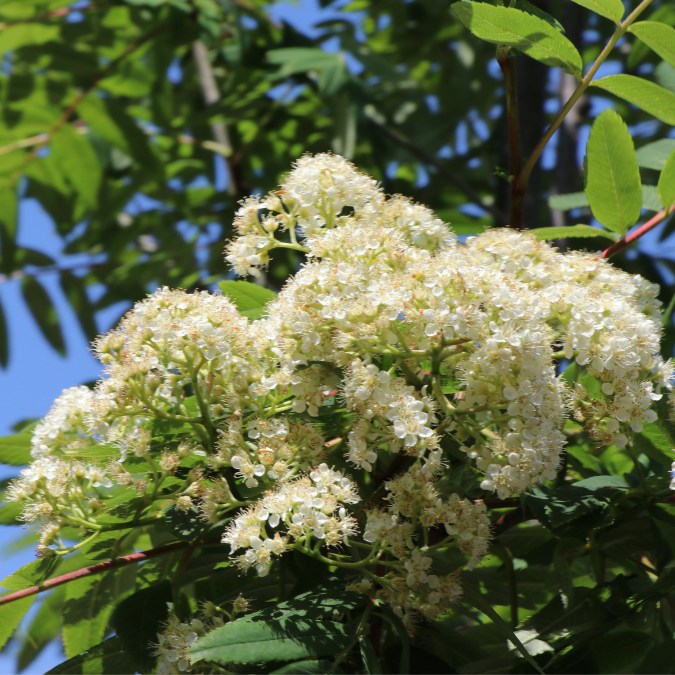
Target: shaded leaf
(77, 159)
(139, 618)
(667, 182)
(613, 178)
(571, 200)
(43, 311)
(650, 198)
(654, 155)
(318, 666)
(43, 628)
(9, 208)
(657, 35)
(610, 9)
(571, 232)
(107, 657)
(621, 650)
(646, 95)
(522, 31)
(11, 615)
(75, 290)
(88, 606)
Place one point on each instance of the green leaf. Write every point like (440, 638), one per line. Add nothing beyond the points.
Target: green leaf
(301, 628)
(43, 628)
(79, 162)
(15, 449)
(112, 122)
(42, 308)
(654, 155)
(522, 31)
(247, 641)
(107, 657)
(9, 209)
(330, 65)
(659, 36)
(600, 483)
(89, 604)
(571, 232)
(650, 198)
(572, 200)
(646, 95)
(667, 182)
(664, 75)
(249, 298)
(11, 615)
(621, 650)
(139, 618)
(610, 9)
(307, 666)
(10, 512)
(24, 34)
(75, 290)
(184, 525)
(613, 178)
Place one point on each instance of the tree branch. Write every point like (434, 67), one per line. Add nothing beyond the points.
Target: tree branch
(521, 181)
(211, 95)
(628, 239)
(517, 202)
(122, 561)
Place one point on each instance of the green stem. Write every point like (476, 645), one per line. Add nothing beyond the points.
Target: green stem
(519, 187)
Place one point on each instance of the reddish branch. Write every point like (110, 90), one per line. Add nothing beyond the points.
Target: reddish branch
(627, 240)
(122, 561)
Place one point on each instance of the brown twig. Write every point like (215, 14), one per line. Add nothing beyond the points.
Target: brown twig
(122, 561)
(507, 65)
(628, 239)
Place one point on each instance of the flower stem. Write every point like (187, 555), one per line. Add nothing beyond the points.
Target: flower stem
(519, 186)
(628, 239)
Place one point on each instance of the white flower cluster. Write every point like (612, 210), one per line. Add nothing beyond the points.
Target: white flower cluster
(310, 506)
(392, 351)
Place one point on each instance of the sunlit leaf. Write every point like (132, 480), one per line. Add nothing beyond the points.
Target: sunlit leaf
(571, 232)
(667, 182)
(15, 449)
(249, 298)
(522, 31)
(658, 36)
(613, 179)
(653, 99)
